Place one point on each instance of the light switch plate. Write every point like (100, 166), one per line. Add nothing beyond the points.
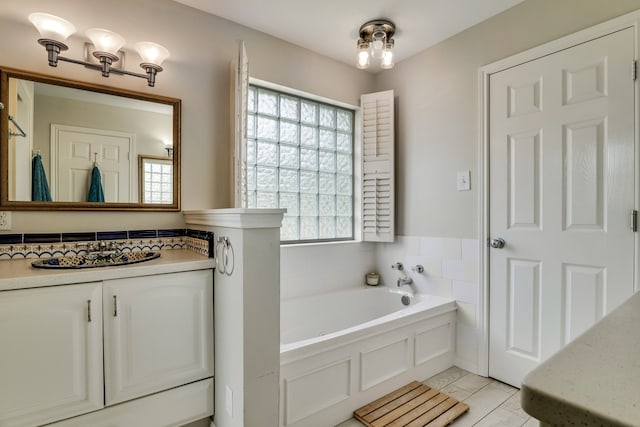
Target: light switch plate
(5, 220)
(464, 180)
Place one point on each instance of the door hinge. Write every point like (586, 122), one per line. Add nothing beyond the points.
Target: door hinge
(634, 70)
(634, 220)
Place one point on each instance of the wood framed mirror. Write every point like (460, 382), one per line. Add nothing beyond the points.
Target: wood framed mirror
(60, 130)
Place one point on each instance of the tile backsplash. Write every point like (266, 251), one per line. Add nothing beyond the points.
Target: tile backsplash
(41, 245)
(450, 270)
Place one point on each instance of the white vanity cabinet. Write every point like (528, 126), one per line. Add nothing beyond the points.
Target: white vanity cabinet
(154, 333)
(158, 333)
(50, 353)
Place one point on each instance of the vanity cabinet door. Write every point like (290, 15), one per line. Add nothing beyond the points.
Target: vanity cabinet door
(50, 353)
(158, 333)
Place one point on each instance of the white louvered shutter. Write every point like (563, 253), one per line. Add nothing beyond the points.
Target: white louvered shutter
(239, 99)
(378, 194)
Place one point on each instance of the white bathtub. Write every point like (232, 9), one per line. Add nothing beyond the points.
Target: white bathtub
(341, 350)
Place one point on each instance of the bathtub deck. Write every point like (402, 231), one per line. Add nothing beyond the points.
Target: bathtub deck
(415, 404)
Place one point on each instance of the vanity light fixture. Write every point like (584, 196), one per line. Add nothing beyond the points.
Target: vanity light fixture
(168, 145)
(376, 41)
(55, 30)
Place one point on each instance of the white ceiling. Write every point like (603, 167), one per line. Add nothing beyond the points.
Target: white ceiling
(330, 27)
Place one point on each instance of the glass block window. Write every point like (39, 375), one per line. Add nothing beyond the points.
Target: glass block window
(157, 179)
(300, 157)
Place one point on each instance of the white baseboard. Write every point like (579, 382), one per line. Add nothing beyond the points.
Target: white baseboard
(467, 365)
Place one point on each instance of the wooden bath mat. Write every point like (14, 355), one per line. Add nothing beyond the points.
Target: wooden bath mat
(414, 405)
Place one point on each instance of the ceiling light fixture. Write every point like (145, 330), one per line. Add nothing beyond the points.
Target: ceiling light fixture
(376, 41)
(55, 30)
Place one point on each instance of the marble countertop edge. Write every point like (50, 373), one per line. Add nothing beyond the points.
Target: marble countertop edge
(595, 379)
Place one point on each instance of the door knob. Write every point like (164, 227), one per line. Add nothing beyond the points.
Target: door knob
(497, 243)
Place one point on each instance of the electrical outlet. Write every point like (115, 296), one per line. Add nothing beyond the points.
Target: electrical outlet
(5, 220)
(228, 404)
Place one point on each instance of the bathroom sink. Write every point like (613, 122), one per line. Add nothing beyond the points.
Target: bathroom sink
(93, 260)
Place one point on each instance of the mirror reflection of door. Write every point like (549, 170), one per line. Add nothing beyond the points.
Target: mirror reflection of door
(77, 150)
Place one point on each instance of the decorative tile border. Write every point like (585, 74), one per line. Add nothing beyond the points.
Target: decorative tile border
(44, 245)
(198, 245)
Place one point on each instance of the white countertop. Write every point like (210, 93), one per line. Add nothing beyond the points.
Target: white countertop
(594, 380)
(19, 274)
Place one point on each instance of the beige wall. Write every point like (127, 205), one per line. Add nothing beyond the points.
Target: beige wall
(201, 47)
(436, 94)
(437, 108)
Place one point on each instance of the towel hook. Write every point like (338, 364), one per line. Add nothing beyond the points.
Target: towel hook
(95, 158)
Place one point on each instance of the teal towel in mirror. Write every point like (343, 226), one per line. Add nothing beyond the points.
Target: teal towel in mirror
(39, 185)
(95, 188)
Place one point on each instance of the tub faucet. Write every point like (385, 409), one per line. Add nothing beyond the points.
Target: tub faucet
(406, 280)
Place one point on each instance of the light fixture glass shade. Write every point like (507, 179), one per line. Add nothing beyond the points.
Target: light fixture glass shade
(363, 59)
(363, 54)
(105, 40)
(51, 26)
(378, 41)
(387, 56)
(151, 53)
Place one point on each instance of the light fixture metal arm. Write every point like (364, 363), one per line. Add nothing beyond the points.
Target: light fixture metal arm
(53, 54)
(150, 76)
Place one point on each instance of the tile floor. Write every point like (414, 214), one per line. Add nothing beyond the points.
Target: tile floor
(491, 403)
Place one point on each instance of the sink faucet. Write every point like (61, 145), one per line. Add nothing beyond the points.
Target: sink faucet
(100, 246)
(103, 248)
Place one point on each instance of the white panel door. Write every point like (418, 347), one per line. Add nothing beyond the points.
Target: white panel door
(50, 353)
(561, 195)
(77, 149)
(158, 333)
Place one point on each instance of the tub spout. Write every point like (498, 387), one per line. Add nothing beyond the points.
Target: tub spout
(404, 281)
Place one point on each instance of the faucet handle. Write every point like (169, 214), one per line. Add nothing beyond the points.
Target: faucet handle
(418, 269)
(398, 266)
